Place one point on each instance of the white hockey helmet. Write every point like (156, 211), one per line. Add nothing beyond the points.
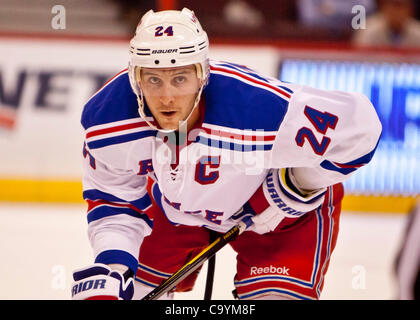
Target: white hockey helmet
(167, 39)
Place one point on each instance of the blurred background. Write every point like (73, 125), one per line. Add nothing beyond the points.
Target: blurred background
(54, 56)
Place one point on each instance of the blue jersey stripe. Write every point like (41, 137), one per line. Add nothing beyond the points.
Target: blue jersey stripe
(356, 163)
(364, 159)
(330, 166)
(94, 194)
(286, 88)
(117, 256)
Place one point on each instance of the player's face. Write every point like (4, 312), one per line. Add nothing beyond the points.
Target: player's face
(170, 94)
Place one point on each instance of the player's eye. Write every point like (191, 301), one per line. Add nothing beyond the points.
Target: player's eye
(153, 80)
(180, 79)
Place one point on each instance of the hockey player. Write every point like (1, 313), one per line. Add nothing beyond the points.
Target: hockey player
(220, 142)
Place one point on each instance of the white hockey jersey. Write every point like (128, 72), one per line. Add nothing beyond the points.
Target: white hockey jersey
(249, 124)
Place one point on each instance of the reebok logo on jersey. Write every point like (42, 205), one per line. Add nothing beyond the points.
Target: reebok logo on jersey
(271, 269)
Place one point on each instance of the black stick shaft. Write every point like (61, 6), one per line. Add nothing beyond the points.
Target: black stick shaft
(211, 265)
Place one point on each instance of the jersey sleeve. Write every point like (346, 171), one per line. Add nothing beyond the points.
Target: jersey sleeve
(118, 203)
(325, 136)
(118, 217)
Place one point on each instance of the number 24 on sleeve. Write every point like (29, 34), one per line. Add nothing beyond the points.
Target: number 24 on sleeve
(321, 121)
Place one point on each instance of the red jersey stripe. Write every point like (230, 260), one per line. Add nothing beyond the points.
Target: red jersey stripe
(116, 129)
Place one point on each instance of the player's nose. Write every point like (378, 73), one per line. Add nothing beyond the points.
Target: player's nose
(167, 95)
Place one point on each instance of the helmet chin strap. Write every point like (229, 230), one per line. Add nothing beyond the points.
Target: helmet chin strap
(182, 125)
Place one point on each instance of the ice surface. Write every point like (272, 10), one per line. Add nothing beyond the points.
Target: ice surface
(41, 244)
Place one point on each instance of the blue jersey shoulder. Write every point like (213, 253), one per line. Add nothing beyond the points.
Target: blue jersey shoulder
(240, 98)
(114, 102)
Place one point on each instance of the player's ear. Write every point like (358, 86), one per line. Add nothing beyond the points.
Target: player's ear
(198, 71)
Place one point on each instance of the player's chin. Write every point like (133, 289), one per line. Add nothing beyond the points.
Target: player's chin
(169, 123)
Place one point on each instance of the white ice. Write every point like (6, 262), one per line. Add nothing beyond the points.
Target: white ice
(41, 244)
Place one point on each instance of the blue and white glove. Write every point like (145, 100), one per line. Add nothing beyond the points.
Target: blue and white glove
(278, 198)
(100, 282)
(282, 192)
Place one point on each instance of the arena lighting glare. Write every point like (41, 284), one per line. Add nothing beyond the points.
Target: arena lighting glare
(394, 89)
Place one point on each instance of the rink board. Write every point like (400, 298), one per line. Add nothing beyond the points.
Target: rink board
(51, 191)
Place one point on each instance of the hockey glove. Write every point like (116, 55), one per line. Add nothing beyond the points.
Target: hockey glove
(99, 282)
(277, 198)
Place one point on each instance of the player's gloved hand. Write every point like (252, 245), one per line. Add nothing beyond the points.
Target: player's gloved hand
(263, 222)
(100, 282)
(278, 197)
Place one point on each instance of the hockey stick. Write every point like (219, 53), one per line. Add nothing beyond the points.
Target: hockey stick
(198, 260)
(211, 264)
